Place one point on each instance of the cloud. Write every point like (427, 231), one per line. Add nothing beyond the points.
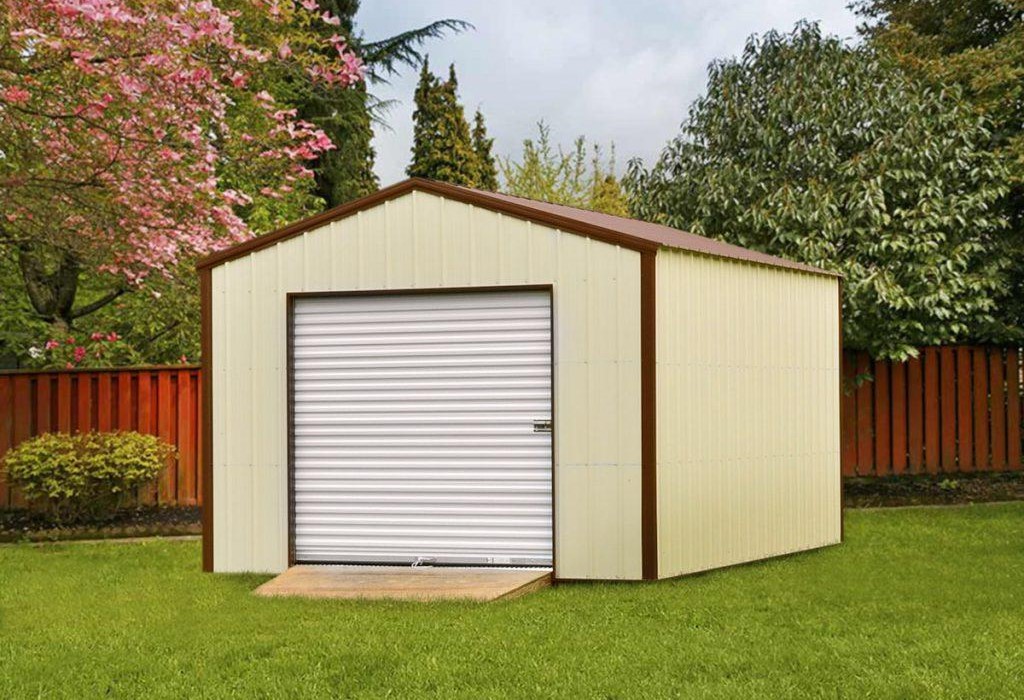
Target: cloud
(613, 71)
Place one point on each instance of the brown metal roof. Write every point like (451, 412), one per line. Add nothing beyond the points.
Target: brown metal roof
(618, 230)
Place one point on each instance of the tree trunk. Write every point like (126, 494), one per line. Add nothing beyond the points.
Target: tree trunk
(51, 289)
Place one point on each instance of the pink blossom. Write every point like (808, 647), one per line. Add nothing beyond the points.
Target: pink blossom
(80, 353)
(51, 344)
(164, 78)
(70, 340)
(15, 95)
(97, 336)
(183, 360)
(113, 336)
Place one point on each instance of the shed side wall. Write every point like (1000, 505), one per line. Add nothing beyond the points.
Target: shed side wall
(422, 241)
(748, 412)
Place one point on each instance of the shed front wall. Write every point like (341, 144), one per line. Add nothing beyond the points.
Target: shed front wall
(422, 241)
(748, 412)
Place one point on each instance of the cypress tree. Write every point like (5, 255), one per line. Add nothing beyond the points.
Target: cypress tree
(442, 145)
(425, 124)
(487, 171)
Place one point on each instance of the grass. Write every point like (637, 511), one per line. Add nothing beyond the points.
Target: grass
(917, 603)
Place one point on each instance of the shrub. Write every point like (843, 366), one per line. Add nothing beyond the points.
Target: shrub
(84, 475)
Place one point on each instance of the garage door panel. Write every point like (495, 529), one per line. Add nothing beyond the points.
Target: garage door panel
(528, 409)
(416, 362)
(414, 428)
(443, 353)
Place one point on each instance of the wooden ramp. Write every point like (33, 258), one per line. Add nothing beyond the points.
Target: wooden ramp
(405, 582)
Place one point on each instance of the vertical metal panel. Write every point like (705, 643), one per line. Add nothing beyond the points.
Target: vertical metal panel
(748, 412)
(414, 428)
(421, 241)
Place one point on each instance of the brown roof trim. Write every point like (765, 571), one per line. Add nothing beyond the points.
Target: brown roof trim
(628, 233)
(442, 189)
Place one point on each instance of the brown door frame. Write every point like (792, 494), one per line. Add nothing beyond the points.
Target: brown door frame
(292, 297)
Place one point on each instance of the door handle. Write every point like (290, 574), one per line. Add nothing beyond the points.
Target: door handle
(542, 425)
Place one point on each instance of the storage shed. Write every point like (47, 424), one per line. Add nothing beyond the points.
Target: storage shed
(436, 374)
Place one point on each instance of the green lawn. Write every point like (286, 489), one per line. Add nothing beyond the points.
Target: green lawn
(917, 603)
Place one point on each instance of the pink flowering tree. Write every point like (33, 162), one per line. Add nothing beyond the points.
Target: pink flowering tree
(136, 135)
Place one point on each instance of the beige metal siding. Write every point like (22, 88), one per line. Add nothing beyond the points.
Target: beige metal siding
(423, 241)
(748, 412)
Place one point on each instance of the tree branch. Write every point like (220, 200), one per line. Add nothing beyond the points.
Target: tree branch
(99, 303)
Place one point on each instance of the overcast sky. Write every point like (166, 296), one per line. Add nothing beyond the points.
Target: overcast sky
(622, 72)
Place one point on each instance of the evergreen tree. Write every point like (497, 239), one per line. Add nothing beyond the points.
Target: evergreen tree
(345, 172)
(425, 120)
(347, 116)
(487, 177)
(442, 145)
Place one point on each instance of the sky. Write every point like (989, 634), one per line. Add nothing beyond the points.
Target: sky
(617, 72)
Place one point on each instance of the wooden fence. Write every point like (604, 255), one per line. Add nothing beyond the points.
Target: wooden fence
(954, 409)
(162, 401)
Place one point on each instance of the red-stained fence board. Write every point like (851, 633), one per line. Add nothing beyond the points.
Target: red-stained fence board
(125, 407)
(6, 427)
(964, 410)
(947, 399)
(849, 415)
(165, 428)
(1013, 399)
(44, 404)
(865, 423)
(64, 403)
(22, 419)
(915, 415)
(898, 427)
(104, 402)
(883, 418)
(83, 406)
(997, 408)
(146, 424)
(980, 396)
(22, 422)
(186, 441)
(932, 411)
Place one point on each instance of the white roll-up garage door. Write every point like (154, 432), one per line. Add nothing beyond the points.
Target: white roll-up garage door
(422, 428)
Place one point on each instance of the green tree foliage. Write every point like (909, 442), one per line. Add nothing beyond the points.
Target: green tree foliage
(159, 319)
(552, 174)
(977, 46)
(487, 175)
(442, 146)
(345, 173)
(819, 152)
(348, 116)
